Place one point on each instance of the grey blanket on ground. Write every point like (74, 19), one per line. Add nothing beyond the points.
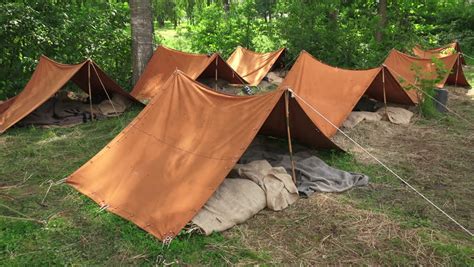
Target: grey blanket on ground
(312, 174)
(236, 200)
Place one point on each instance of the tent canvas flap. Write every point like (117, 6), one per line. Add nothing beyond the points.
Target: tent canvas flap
(163, 167)
(166, 61)
(334, 91)
(253, 66)
(48, 78)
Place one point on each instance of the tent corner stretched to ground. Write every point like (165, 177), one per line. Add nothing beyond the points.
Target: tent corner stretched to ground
(402, 65)
(253, 66)
(48, 78)
(180, 148)
(165, 61)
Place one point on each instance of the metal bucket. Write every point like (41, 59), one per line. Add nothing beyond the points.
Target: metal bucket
(441, 96)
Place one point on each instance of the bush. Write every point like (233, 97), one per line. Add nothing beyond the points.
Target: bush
(65, 32)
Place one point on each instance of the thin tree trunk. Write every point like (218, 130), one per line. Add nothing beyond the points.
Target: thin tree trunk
(382, 13)
(142, 35)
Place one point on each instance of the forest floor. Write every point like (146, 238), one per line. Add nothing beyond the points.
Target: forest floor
(384, 223)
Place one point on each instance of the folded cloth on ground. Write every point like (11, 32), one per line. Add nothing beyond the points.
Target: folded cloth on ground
(397, 115)
(115, 106)
(312, 174)
(234, 202)
(280, 191)
(274, 78)
(237, 199)
(358, 116)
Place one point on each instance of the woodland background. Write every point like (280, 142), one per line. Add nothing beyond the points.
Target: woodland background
(344, 33)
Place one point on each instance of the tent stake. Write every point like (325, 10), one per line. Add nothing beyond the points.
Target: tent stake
(290, 148)
(89, 83)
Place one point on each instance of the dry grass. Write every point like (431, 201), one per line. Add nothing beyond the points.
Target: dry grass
(325, 229)
(386, 222)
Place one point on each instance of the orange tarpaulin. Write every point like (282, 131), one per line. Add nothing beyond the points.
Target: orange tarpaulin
(402, 66)
(334, 92)
(163, 167)
(253, 66)
(443, 51)
(165, 61)
(48, 78)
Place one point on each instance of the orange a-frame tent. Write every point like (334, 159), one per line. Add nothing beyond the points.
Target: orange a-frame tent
(165, 61)
(48, 78)
(402, 66)
(443, 51)
(334, 92)
(252, 66)
(163, 167)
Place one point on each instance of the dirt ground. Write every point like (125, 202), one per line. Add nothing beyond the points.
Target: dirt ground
(385, 222)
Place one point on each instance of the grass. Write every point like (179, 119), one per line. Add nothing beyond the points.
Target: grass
(384, 223)
(68, 227)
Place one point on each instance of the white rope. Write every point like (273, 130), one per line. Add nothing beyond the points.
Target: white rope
(432, 98)
(381, 163)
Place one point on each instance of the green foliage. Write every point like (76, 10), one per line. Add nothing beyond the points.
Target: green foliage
(216, 29)
(426, 82)
(65, 32)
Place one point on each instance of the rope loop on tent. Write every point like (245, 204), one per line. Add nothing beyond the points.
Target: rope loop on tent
(120, 119)
(382, 164)
(105, 90)
(432, 98)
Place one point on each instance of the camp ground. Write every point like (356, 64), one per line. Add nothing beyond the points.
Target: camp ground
(171, 177)
(446, 50)
(208, 68)
(236, 133)
(253, 66)
(37, 103)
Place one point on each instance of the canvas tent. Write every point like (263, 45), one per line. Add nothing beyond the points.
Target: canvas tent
(165, 61)
(443, 51)
(48, 78)
(253, 66)
(162, 168)
(334, 92)
(402, 66)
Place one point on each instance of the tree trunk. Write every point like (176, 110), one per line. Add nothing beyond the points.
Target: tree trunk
(382, 13)
(142, 35)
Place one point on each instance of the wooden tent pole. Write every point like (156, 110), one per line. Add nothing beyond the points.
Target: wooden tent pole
(89, 84)
(384, 93)
(457, 72)
(290, 147)
(216, 73)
